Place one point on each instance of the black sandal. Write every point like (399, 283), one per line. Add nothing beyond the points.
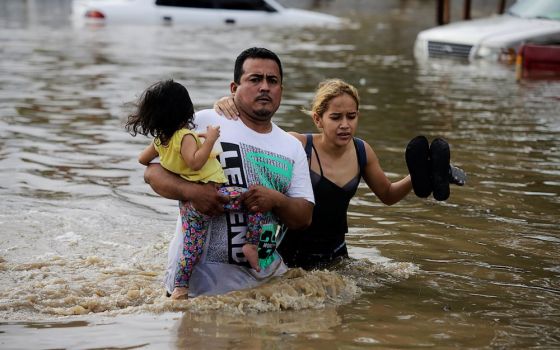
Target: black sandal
(440, 156)
(418, 162)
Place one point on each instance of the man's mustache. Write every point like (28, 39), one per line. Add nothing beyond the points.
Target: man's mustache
(264, 96)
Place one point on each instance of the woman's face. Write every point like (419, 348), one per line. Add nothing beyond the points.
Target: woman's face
(340, 120)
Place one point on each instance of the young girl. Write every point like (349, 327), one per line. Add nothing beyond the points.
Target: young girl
(166, 112)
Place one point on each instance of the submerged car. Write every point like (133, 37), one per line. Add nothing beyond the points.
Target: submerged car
(495, 38)
(197, 12)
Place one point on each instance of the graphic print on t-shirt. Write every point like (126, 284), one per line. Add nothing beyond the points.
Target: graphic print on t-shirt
(246, 165)
(272, 171)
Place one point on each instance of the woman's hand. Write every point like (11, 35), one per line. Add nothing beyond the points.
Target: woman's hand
(225, 106)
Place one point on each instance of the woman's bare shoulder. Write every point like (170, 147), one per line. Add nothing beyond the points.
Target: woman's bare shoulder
(301, 137)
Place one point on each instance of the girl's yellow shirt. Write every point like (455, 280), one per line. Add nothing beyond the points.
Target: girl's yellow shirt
(170, 158)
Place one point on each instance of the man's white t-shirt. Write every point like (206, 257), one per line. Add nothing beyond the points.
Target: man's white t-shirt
(275, 160)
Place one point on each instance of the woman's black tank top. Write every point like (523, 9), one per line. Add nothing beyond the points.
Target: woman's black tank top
(324, 240)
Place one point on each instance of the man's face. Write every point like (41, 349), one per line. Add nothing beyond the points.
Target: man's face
(259, 91)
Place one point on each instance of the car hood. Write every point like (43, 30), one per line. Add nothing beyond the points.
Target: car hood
(492, 31)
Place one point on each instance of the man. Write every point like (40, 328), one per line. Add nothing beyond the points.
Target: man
(257, 155)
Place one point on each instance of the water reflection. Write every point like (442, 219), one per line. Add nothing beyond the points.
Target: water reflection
(256, 331)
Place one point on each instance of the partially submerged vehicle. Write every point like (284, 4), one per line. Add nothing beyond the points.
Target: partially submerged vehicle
(538, 62)
(496, 38)
(197, 13)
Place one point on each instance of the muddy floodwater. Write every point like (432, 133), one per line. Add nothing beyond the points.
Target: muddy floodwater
(83, 240)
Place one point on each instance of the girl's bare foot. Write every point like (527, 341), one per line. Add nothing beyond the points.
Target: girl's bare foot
(250, 252)
(180, 293)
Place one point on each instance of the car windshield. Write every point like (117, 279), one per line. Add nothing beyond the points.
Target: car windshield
(547, 9)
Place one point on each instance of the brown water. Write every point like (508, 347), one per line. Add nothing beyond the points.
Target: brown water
(83, 240)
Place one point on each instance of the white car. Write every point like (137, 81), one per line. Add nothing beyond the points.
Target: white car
(495, 38)
(197, 13)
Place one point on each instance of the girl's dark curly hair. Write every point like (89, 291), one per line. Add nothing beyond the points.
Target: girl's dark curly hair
(163, 108)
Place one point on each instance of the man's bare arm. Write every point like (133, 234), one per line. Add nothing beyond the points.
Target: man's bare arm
(203, 197)
(296, 213)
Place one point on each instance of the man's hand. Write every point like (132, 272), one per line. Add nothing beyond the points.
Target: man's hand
(206, 199)
(295, 213)
(261, 199)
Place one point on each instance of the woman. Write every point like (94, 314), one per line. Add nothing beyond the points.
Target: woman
(337, 162)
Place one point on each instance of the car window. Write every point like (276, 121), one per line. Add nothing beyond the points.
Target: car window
(549, 9)
(247, 5)
(186, 3)
(252, 5)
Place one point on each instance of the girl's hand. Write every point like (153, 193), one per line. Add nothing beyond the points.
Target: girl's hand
(212, 133)
(225, 107)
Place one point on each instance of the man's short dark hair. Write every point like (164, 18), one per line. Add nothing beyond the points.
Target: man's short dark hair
(254, 52)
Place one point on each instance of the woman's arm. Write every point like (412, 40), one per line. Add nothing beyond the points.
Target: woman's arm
(203, 197)
(388, 192)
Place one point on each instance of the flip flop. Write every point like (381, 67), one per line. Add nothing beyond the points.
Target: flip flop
(417, 160)
(439, 156)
